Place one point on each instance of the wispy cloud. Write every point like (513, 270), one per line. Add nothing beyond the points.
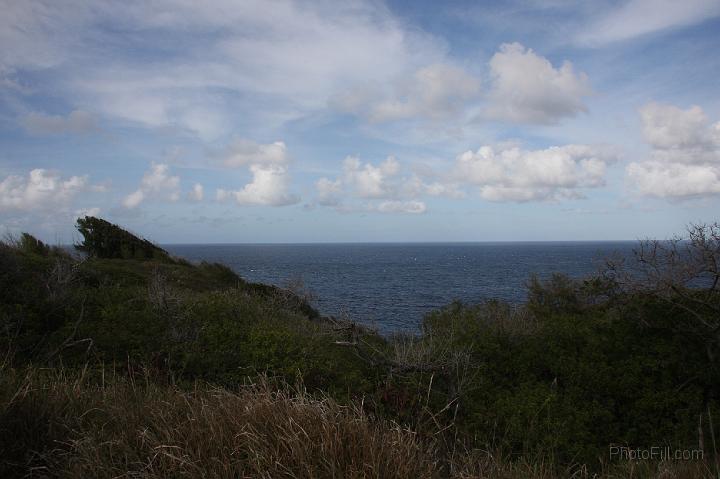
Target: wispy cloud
(641, 17)
(77, 121)
(434, 92)
(294, 59)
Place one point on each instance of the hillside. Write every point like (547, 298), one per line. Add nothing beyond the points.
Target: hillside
(127, 361)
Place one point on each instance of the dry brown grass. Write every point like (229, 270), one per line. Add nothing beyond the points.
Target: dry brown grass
(81, 428)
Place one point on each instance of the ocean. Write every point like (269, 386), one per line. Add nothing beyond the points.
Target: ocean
(392, 286)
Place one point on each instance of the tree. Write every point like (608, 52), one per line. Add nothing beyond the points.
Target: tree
(682, 275)
(103, 239)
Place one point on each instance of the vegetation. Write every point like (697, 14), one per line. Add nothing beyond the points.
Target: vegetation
(143, 365)
(103, 239)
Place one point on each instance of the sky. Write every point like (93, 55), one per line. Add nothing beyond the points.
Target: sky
(284, 121)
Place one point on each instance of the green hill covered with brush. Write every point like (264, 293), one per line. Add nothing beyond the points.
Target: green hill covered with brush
(126, 361)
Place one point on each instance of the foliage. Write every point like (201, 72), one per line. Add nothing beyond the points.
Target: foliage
(96, 423)
(103, 239)
(617, 359)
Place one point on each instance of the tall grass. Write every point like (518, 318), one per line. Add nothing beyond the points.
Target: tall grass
(55, 423)
(87, 425)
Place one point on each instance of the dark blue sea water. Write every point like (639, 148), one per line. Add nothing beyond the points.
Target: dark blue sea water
(392, 286)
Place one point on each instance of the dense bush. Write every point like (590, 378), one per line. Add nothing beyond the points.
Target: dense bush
(192, 321)
(574, 381)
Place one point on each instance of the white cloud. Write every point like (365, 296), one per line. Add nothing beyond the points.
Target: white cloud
(156, 182)
(217, 57)
(513, 174)
(270, 177)
(370, 181)
(687, 134)
(435, 92)
(685, 153)
(267, 188)
(674, 180)
(415, 186)
(134, 199)
(40, 190)
(641, 17)
(365, 181)
(197, 193)
(243, 152)
(526, 88)
(77, 121)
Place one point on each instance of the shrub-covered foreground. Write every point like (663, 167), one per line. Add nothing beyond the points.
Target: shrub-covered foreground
(150, 367)
(96, 424)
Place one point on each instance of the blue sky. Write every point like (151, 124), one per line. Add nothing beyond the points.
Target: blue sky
(290, 121)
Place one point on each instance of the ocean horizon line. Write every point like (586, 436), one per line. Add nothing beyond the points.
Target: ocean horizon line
(380, 243)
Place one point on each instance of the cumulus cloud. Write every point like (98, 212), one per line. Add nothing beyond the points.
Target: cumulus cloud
(373, 182)
(268, 164)
(77, 121)
(415, 186)
(435, 92)
(157, 182)
(526, 88)
(197, 193)
(674, 180)
(40, 190)
(686, 134)
(268, 188)
(685, 153)
(641, 17)
(514, 174)
(370, 181)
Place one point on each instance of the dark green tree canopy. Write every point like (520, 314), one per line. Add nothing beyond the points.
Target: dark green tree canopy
(103, 239)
